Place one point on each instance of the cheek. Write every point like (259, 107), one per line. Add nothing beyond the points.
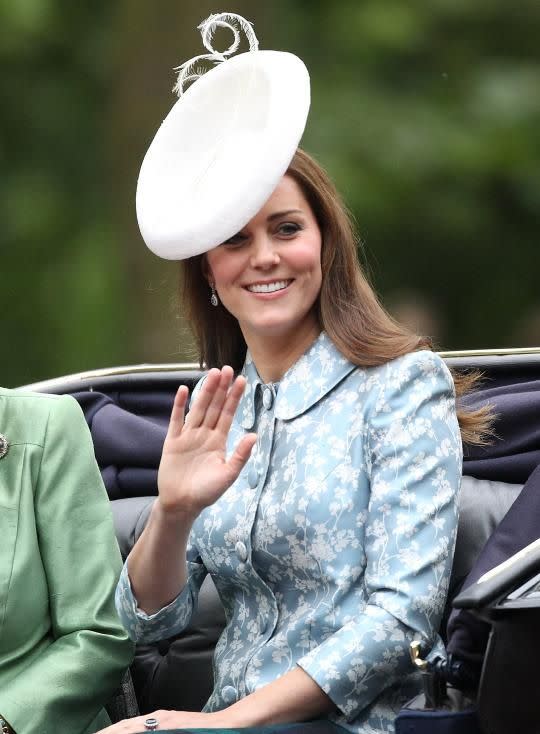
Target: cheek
(222, 268)
(307, 256)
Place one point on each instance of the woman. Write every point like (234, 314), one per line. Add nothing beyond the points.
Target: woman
(63, 650)
(318, 488)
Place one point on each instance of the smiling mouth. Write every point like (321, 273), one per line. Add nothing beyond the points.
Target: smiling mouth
(277, 285)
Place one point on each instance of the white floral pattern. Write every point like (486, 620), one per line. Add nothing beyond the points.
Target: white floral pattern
(333, 549)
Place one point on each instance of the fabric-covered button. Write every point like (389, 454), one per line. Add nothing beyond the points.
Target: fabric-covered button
(268, 398)
(253, 478)
(228, 694)
(241, 552)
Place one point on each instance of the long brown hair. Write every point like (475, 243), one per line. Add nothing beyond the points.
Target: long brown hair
(348, 309)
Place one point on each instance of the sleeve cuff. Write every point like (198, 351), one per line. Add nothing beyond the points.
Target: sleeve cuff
(166, 622)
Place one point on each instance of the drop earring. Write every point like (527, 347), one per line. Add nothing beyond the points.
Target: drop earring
(213, 296)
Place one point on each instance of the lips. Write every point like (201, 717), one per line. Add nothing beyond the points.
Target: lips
(272, 287)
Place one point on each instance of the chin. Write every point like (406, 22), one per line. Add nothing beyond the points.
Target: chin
(273, 329)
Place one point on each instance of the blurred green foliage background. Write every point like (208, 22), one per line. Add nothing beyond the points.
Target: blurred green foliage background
(426, 113)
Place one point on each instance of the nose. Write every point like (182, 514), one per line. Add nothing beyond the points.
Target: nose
(264, 254)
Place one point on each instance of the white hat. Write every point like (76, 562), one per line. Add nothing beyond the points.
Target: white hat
(222, 149)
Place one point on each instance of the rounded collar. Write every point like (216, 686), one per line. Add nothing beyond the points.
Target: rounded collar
(309, 379)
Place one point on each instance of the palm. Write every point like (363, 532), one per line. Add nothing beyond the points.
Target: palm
(194, 470)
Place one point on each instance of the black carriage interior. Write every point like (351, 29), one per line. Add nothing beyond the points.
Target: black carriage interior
(127, 411)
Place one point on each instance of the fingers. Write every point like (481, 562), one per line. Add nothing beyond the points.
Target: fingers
(231, 404)
(217, 401)
(178, 412)
(198, 411)
(136, 724)
(219, 398)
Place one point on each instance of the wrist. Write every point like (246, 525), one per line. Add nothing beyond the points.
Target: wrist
(244, 714)
(230, 718)
(172, 516)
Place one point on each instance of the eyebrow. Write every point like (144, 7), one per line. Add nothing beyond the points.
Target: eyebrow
(278, 215)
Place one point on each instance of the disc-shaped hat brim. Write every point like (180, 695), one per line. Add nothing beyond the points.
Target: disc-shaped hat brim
(221, 151)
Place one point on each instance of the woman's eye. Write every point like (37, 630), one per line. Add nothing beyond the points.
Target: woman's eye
(235, 241)
(289, 228)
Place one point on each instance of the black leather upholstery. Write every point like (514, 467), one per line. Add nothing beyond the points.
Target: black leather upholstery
(483, 504)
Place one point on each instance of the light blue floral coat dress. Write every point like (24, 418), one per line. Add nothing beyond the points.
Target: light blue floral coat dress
(333, 549)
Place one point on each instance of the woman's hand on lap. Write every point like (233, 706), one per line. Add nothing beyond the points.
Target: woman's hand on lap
(170, 720)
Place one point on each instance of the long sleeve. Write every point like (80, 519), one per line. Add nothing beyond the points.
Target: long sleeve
(78, 659)
(171, 619)
(413, 455)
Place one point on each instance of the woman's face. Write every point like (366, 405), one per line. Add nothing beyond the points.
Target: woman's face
(269, 274)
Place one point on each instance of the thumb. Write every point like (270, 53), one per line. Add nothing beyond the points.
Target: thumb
(241, 454)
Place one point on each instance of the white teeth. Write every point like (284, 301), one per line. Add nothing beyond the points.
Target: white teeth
(277, 285)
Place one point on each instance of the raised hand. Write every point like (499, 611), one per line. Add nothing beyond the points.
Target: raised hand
(194, 471)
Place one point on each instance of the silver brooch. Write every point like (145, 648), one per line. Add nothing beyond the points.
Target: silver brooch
(4, 446)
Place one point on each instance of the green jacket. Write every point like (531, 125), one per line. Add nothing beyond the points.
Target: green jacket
(62, 648)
